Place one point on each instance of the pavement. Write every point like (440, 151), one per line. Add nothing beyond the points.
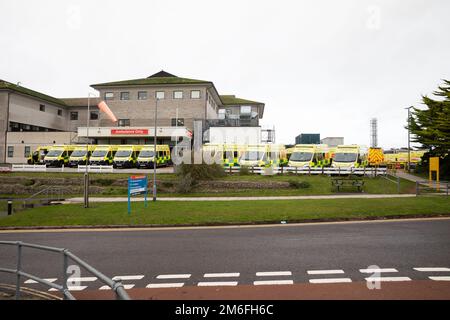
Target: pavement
(343, 196)
(403, 256)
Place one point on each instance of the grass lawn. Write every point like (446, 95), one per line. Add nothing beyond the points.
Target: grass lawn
(223, 212)
(319, 185)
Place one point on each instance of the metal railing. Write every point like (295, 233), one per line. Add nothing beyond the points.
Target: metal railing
(29, 167)
(432, 187)
(96, 168)
(312, 170)
(115, 285)
(51, 193)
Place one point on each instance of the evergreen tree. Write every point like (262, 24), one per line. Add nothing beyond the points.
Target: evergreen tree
(431, 128)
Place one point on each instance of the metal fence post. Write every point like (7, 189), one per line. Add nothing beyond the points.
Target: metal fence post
(10, 207)
(65, 266)
(417, 188)
(19, 267)
(398, 184)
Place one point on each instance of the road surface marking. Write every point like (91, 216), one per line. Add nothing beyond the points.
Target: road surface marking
(331, 280)
(441, 278)
(325, 271)
(217, 284)
(125, 278)
(138, 229)
(81, 279)
(125, 286)
(222, 275)
(374, 270)
(71, 288)
(174, 276)
(165, 285)
(272, 282)
(432, 269)
(374, 279)
(30, 281)
(273, 273)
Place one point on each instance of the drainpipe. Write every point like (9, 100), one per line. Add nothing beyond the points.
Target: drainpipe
(5, 153)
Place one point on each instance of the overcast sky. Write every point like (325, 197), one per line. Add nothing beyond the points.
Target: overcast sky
(319, 66)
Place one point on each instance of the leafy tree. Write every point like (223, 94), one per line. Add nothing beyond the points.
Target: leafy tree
(431, 128)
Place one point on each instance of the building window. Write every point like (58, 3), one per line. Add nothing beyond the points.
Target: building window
(178, 94)
(159, 95)
(195, 94)
(94, 115)
(74, 115)
(179, 124)
(60, 112)
(27, 151)
(10, 151)
(42, 107)
(124, 96)
(142, 95)
(124, 122)
(109, 95)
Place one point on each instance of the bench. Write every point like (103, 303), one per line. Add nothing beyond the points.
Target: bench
(353, 182)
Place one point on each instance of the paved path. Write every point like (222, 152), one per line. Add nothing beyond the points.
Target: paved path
(346, 196)
(424, 182)
(322, 253)
(407, 176)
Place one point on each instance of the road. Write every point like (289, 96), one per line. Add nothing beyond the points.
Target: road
(405, 250)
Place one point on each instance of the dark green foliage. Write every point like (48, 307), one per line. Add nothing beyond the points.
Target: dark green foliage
(431, 128)
(186, 184)
(244, 171)
(102, 182)
(201, 171)
(299, 184)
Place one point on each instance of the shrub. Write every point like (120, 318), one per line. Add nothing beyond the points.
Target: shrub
(201, 171)
(299, 184)
(167, 184)
(244, 171)
(103, 182)
(28, 182)
(186, 184)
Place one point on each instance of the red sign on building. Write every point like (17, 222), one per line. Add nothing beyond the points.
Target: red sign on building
(129, 131)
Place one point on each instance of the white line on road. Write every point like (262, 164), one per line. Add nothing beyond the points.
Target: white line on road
(272, 282)
(325, 271)
(273, 273)
(375, 270)
(222, 275)
(81, 279)
(173, 276)
(124, 278)
(432, 269)
(440, 278)
(165, 285)
(125, 286)
(71, 288)
(217, 284)
(30, 281)
(379, 279)
(335, 280)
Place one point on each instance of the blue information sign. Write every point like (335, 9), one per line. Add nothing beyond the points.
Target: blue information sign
(137, 185)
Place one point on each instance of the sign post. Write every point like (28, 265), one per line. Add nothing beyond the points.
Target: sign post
(137, 185)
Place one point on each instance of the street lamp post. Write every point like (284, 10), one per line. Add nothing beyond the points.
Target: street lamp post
(409, 140)
(154, 150)
(86, 173)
